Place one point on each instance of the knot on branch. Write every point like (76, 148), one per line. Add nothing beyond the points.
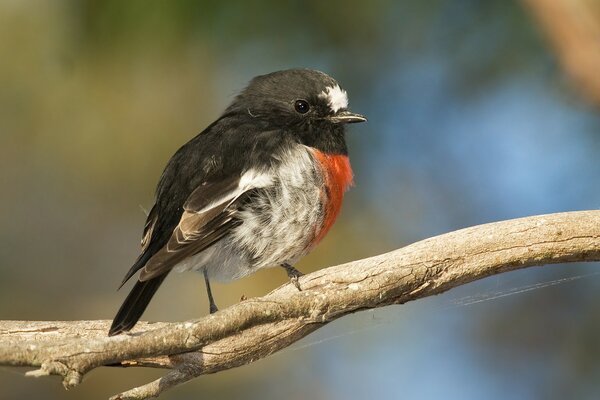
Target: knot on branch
(71, 377)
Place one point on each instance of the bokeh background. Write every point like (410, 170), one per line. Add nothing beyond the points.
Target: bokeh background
(472, 119)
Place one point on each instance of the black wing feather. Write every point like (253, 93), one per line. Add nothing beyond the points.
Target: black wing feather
(146, 240)
(184, 244)
(153, 239)
(195, 177)
(200, 226)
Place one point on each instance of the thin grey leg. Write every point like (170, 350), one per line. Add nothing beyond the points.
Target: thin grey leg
(212, 306)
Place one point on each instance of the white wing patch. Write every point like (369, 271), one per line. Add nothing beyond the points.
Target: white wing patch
(336, 97)
(251, 179)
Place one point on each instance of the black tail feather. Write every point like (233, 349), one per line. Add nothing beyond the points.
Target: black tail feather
(134, 305)
(139, 264)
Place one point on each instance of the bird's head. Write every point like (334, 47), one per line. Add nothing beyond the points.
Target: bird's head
(306, 102)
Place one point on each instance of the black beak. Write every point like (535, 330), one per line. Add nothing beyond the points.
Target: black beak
(347, 117)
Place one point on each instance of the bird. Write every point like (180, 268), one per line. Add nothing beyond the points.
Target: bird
(259, 187)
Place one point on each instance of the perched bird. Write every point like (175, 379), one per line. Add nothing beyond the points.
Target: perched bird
(260, 187)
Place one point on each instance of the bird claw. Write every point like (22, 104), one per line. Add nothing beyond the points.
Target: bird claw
(294, 280)
(293, 274)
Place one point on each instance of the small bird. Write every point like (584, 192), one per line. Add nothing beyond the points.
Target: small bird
(259, 187)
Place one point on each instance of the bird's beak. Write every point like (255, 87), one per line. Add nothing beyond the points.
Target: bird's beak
(347, 117)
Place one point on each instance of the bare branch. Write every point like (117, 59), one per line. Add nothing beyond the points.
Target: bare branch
(255, 328)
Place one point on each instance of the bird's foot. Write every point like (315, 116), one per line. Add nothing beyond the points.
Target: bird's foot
(293, 274)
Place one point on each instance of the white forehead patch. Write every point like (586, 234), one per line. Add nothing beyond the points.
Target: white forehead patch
(336, 97)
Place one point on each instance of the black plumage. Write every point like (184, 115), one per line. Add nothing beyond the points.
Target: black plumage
(199, 198)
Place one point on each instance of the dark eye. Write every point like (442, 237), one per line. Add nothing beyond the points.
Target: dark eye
(301, 106)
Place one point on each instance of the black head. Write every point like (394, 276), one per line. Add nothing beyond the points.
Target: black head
(309, 104)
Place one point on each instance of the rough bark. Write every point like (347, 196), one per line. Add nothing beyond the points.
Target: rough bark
(258, 327)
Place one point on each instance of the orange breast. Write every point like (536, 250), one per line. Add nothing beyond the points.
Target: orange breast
(338, 177)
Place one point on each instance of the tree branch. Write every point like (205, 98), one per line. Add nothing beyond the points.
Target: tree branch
(255, 328)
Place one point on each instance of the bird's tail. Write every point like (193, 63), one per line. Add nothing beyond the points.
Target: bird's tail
(134, 305)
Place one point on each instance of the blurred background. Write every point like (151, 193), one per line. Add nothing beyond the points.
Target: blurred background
(478, 111)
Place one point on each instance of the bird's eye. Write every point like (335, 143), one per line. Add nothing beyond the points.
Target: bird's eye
(301, 106)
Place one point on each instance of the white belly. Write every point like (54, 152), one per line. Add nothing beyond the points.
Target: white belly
(279, 224)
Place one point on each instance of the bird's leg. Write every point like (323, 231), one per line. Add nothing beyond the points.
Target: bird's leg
(212, 306)
(293, 274)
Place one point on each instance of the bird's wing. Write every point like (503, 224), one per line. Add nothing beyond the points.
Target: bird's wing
(209, 213)
(151, 222)
(149, 228)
